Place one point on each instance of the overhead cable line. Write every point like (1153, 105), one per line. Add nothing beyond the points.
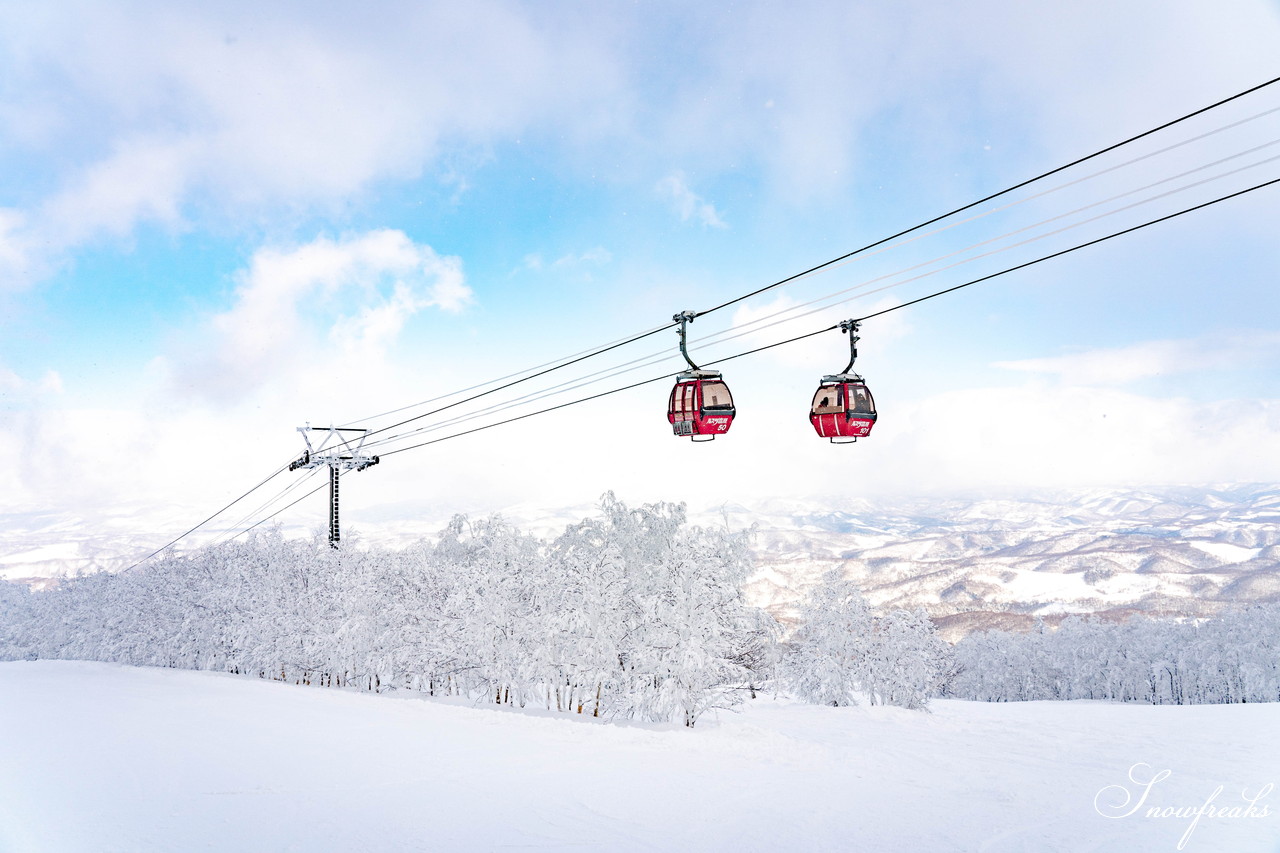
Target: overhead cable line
(590, 353)
(604, 393)
(619, 342)
(269, 502)
(936, 294)
(991, 253)
(623, 342)
(995, 195)
(178, 539)
(883, 246)
(563, 387)
(969, 283)
(745, 328)
(283, 508)
(1074, 248)
(727, 335)
(863, 318)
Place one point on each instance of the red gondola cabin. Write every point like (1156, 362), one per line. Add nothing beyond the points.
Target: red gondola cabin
(843, 409)
(700, 406)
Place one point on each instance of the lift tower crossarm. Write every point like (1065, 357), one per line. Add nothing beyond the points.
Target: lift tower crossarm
(339, 452)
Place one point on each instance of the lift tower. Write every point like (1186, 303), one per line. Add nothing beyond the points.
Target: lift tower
(340, 452)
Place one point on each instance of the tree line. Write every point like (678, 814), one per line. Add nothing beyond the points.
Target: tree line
(1234, 657)
(633, 614)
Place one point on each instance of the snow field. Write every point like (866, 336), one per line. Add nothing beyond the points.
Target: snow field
(102, 757)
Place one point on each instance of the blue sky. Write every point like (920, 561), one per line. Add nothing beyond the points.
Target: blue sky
(218, 222)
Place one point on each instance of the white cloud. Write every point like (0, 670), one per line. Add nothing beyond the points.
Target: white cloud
(152, 111)
(597, 256)
(823, 95)
(165, 112)
(51, 382)
(15, 253)
(687, 203)
(313, 332)
(10, 382)
(175, 464)
(13, 385)
(1121, 365)
(142, 180)
(147, 112)
(755, 322)
(289, 300)
(1041, 436)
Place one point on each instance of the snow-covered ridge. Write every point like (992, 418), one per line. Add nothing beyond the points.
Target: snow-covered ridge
(971, 564)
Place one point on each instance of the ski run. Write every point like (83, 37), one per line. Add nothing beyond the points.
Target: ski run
(98, 757)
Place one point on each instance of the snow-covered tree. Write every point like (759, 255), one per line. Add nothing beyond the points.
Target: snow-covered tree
(15, 617)
(1232, 658)
(905, 661)
(844, 648)
(633, 613)
(828, 657)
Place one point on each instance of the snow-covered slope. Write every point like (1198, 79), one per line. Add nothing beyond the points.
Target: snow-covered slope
(98, 757)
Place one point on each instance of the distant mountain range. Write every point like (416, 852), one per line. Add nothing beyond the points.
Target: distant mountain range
(970, 564)
(1002, 563)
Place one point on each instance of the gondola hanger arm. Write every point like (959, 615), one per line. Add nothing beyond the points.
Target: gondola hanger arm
(684, 318)
(850, 328)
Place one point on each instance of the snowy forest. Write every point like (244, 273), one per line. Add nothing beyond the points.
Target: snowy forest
(634, 614)
(1234, 657)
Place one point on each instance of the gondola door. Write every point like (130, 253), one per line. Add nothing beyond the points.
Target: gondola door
(682, 410)
(827, 410)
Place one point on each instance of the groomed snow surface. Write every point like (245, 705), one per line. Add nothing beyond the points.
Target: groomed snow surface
(100, 757)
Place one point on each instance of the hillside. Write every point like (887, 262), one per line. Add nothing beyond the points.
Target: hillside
(1001, 563)
(98, 757)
